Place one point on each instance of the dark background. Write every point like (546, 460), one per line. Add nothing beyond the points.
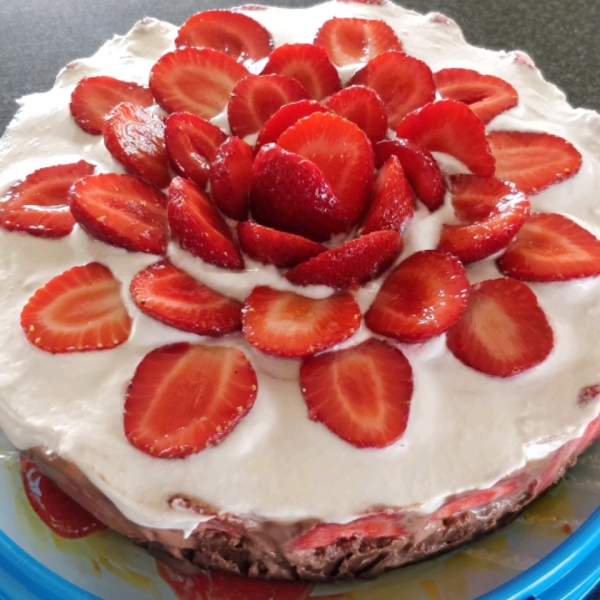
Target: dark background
(39, 37)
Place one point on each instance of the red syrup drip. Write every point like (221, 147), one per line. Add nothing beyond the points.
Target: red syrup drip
(217, 586)
(57, 510)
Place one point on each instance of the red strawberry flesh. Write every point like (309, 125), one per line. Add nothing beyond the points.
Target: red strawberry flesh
(199, 228)
(39, 204)
(392, 204)
(403, 82)
(290, 193)
(491, 211)
(486, 95)
(121, 210)
(77, 311)
(352, 40)
(472, 500)
(215, 585)
(362, 393)
(196, 81)
(503, 331)
(215, 387)
(380, 525)
(289, 325)
(256, 98)
(551, 247)
(363, 107)
(192, 143)
(421, 168)
(341, 151)
(231, 176)
(54, 507)
(533, 161)
(307, 64)
(451, 127)
(172, 296)
(94, 97)
(285, 117)
(237, 35)
(135, 137)
(352, 263)
(421, 299)
(272, 247)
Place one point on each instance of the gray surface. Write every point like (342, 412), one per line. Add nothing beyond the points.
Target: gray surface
(38, 37)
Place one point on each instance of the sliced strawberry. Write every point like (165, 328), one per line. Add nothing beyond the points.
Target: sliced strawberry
(57, 510)
(531, 160)
(273, 247)
(551, 247)
(341, 151)
(556, 467)
(421, 168)
(135, 137)
(289, 325)
(192, 143)
(172, 296)
(79, 310)
(451, 127)
(380, 525)
(350, 41)
(472, 500)
(256, 98)
(363, 107)
(121, 210)
(362, 393)
(392, 204)
(491, 213)
(233, 33)
(289, 193)
(231, 176)
(354, 262)
(38, 205)
(486, 95)
(94, 97)
(503, 330)
(221, 586)
(421, 299)
(590, 435)
(285, 117)
(309, 65)
(215, 387)
(196, 81)
(199, 228)
(403, 82)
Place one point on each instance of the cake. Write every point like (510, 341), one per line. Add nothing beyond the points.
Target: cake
(234, 376)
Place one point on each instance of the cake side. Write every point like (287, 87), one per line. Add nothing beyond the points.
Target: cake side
(291, 551)
(272, 453)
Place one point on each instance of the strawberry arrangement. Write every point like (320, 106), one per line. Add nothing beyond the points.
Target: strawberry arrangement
(321, 183)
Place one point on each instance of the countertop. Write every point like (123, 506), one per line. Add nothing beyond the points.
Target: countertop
(39, 37)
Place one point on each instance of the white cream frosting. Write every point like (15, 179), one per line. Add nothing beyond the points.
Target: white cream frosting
(466, 430)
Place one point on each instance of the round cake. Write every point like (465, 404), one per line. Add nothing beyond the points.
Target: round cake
(300, 293)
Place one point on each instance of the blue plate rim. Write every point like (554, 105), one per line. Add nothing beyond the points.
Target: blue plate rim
(560, 572)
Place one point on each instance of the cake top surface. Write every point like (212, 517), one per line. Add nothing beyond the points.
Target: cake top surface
(492, 426)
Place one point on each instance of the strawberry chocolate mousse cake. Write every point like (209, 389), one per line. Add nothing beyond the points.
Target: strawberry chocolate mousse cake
(300, 293)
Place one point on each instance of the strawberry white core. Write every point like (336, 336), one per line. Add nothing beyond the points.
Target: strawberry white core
(278, 463)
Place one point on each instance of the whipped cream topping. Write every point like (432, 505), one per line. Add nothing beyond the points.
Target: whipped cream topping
(466, 430)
